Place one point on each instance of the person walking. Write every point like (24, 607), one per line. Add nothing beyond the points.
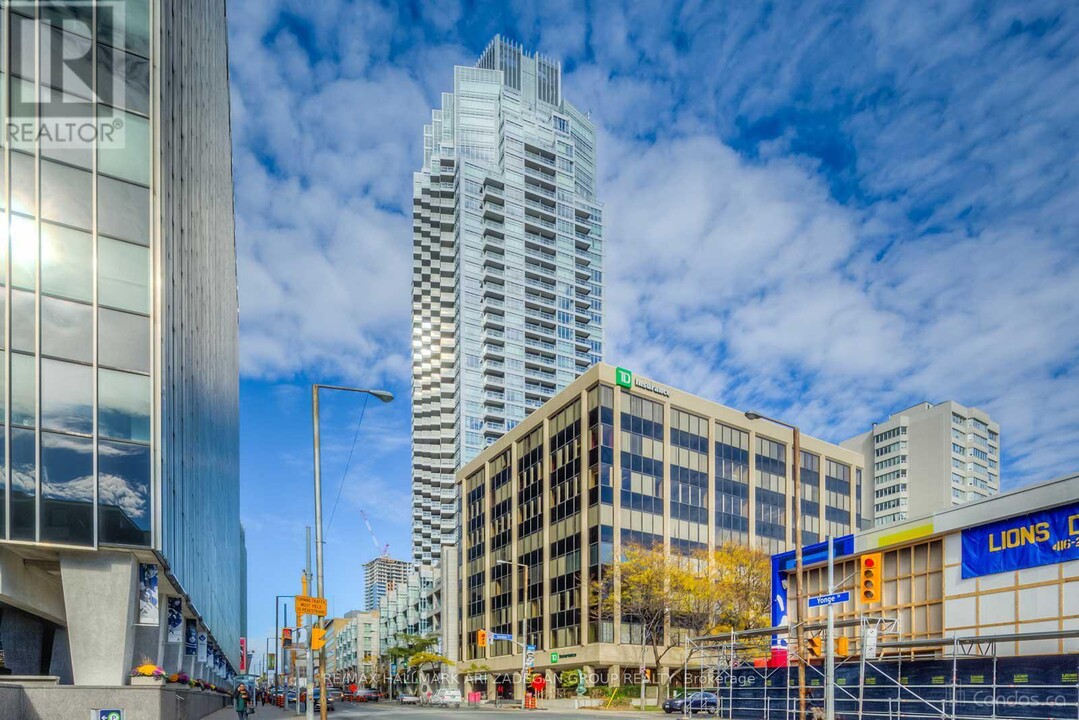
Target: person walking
(241, 702)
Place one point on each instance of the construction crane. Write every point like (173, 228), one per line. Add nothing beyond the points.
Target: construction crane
(383, 550)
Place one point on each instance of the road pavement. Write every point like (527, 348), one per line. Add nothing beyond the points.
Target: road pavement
(388, 710)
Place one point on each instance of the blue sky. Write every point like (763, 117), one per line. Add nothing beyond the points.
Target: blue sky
(824, 210)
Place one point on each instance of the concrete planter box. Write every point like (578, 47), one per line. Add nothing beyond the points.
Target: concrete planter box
(142, 681)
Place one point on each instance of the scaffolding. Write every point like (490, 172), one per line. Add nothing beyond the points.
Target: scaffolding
(752, 675)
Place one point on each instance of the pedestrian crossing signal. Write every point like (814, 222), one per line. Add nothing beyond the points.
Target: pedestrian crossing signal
(869, 577)
(286, 637)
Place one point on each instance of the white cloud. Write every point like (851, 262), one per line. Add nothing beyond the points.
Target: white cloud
(826, 212)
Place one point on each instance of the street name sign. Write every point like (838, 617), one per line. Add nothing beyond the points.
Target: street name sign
(831, 599)
(501, 636)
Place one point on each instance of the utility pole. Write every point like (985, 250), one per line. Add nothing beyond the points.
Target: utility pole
(310, 652)
(524, 649)
(318, 544)
(796, 524)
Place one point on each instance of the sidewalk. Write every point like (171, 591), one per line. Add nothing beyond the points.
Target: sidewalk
(264, 712)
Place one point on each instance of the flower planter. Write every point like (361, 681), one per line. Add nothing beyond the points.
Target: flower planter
(142, 680)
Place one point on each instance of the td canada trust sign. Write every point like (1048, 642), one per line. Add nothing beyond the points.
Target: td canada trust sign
(625, 379)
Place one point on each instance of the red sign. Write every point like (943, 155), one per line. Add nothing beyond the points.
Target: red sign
(243, 655)
(538, 683)
(352, 688)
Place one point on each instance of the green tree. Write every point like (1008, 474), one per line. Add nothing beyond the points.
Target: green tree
(645, 587)
(724, 589)
(413, 652)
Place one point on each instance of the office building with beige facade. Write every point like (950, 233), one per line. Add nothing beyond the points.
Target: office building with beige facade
(616, 459)
(926, 459)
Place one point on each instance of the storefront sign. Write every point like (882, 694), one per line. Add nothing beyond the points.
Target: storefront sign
(148, 611)
(176, 619)
(1045, 537)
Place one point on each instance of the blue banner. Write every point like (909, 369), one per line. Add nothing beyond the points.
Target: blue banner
(191, 637)
(1045, 537)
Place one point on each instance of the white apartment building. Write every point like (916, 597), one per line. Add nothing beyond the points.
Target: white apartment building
(357, 648)
(926, 459)
(507, 302)
(420, 607)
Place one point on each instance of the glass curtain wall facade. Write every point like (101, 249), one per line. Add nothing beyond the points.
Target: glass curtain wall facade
(79, 436)
(685, 484)
(120, 367)
(507, 275)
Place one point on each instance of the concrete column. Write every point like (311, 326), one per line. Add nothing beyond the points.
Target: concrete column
(175, 652)
(614, 676)
(99, 598)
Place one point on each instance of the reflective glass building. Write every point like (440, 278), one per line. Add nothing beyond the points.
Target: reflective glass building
(120, 366)
(507, 269)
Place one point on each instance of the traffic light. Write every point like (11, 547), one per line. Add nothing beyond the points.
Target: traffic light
(481, 638)
(318, 638)
(286, 637)
(869, 577)
(842, 645)
(814, 646)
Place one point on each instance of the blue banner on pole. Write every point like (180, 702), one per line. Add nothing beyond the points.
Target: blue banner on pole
(1045, 537)
(191, 638)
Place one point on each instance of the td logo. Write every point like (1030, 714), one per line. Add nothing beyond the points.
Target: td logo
(623, 377)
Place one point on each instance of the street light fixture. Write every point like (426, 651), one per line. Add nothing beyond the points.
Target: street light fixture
(524, 634)
(385, 396)
(797, 525)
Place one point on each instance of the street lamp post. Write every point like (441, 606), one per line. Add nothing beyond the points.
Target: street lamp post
(277, 634)
(384, 396)
(797, 526)
(524, 634)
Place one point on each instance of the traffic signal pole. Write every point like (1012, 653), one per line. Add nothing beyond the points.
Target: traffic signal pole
(829, 674)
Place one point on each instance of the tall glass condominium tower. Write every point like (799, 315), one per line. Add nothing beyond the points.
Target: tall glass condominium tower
(507, 289)
(119, 367)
